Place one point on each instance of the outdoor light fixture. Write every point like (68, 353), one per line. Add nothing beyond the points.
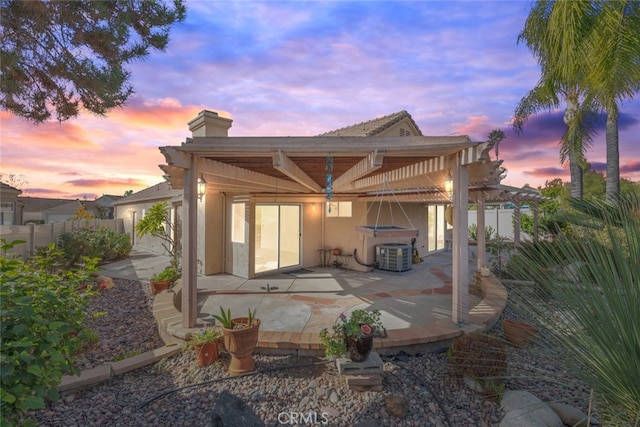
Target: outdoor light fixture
(202, 187)
(448, 184)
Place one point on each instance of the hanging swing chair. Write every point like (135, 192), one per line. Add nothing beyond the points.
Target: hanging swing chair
(387, 230)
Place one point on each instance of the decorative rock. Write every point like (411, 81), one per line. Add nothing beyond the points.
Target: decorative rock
(104, 282)
(396, 406)
(523, 409)
(367, 423)
(572, 416)
(231, 411)
(334, 397)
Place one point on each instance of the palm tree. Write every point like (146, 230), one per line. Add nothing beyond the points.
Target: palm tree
(495, 137)
(555, 32)
(614, 72)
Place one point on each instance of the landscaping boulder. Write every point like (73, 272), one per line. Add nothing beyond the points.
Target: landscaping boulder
(231, 411)
(572, 416)
(523, 409)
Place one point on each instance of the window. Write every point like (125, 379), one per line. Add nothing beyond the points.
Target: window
(338, 209)
(7, 213)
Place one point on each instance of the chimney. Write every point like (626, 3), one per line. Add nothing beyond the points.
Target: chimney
(208, 123)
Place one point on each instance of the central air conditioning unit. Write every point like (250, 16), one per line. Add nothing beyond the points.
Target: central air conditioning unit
(393, 257)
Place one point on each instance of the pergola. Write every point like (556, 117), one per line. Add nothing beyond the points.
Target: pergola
(413, 168)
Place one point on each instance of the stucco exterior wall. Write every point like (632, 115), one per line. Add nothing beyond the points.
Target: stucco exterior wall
(210, 243)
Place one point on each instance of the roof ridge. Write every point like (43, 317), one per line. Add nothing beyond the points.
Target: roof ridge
(377, 125)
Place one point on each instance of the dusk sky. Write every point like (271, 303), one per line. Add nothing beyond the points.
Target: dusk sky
(303, 68)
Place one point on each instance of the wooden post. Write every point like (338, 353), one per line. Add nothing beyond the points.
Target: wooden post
(482, 244)
(516, 224)
(460, 261)
(189, 247)
(536, 212)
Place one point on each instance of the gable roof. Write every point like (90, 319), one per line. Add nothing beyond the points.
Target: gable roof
(374, 127)
(71, 207)
(158, 192)
(39, 204)
(6, 188)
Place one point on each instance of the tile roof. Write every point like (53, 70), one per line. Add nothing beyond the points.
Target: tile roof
(38, 204)
(71, 207)
(373, 127)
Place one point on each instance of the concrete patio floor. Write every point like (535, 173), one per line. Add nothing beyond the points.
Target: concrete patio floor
(293, 307)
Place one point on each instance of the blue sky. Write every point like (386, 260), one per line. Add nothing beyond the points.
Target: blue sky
(304, 68)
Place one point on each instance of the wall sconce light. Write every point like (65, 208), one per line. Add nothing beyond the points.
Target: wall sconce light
(448, 184)
(202, 187)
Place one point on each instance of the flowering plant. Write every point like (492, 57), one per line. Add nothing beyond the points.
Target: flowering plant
(362, 324)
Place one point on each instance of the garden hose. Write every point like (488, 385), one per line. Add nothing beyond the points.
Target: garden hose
(216, 380)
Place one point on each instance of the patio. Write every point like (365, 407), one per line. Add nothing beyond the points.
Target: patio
(293, 307)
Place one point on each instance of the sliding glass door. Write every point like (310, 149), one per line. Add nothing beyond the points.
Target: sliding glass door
(277, 237)
(436, 226)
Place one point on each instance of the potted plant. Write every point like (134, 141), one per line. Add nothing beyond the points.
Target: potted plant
(158, 223)
(164, 280)
(240, 339)
(353, 336)
(205, 344)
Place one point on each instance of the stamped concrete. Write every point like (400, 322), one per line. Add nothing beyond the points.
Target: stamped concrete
(293, 307)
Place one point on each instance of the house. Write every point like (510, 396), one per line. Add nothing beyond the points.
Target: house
(33, 208)
(41, 210)
(133, 207)
(104, 206)
(66, 211)
(258, 205)
(10, 212)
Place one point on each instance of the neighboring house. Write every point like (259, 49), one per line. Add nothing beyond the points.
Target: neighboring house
(66, 211)
(275, 204)
(133, 207)
(10, 208)
(33, 208)
(41, 210)
(104, 206)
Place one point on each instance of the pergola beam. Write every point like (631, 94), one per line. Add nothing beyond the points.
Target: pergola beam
(372, 162)
(213, 167)
(285, 165)
(406, 173)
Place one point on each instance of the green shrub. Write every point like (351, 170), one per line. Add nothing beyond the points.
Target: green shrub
(473, 232)
(102, 243)
(42, 317)
(591, 308)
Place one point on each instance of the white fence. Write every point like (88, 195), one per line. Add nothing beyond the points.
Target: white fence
(501, 220)
(41, 235)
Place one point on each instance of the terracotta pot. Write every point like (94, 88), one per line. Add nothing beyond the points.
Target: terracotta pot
(240, 344)
(518, 333)
(206, 353)
(336, 251)
(158, 286)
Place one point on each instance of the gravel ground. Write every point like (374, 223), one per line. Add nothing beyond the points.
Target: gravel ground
(176, 392)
